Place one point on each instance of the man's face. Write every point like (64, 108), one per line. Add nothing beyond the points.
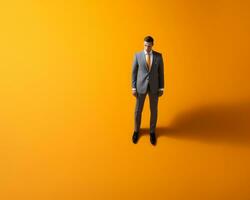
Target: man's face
(148, 46)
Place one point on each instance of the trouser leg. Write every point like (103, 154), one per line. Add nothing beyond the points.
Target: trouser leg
(153, 101)
(140, 99)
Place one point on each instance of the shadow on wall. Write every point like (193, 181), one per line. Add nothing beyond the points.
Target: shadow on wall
(218, 123)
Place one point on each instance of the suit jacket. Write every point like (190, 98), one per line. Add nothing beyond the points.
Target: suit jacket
(141, 76)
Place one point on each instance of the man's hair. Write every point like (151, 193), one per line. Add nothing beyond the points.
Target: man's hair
(149, 39)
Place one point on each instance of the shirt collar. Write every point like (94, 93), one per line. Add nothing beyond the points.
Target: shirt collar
(149, 52)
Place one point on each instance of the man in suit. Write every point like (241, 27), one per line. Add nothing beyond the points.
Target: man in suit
(147, 78)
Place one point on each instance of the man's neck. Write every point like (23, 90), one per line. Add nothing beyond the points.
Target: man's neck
(148, 52)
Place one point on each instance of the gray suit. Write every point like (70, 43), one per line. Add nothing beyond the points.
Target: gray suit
(147, 82)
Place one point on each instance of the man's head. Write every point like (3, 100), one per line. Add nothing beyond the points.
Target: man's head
(148, 43)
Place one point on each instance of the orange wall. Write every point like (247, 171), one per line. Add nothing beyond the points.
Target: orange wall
(66, 104)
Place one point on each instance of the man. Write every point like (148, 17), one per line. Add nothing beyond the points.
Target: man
(147, 78)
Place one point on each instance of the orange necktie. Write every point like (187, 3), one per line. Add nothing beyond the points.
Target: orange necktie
(148, 60)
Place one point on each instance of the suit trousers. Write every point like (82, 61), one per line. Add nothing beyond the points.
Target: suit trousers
(153, 101)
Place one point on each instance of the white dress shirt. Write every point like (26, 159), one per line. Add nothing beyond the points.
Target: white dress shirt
(151, 60)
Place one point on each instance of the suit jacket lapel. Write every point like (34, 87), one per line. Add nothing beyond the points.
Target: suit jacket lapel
(144, 60)
(154, 58)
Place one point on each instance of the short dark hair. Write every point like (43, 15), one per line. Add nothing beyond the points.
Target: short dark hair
(149, 39)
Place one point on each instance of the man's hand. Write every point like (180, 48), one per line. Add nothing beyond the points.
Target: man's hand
(160, 93)
(134, 92)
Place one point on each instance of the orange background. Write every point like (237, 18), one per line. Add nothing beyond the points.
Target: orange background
(67, 110)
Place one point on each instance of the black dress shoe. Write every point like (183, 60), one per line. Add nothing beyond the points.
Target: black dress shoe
(153, 138)
(135, 137)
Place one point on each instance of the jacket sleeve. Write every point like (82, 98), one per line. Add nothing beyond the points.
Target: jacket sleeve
(161, 72)
(134, 72)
